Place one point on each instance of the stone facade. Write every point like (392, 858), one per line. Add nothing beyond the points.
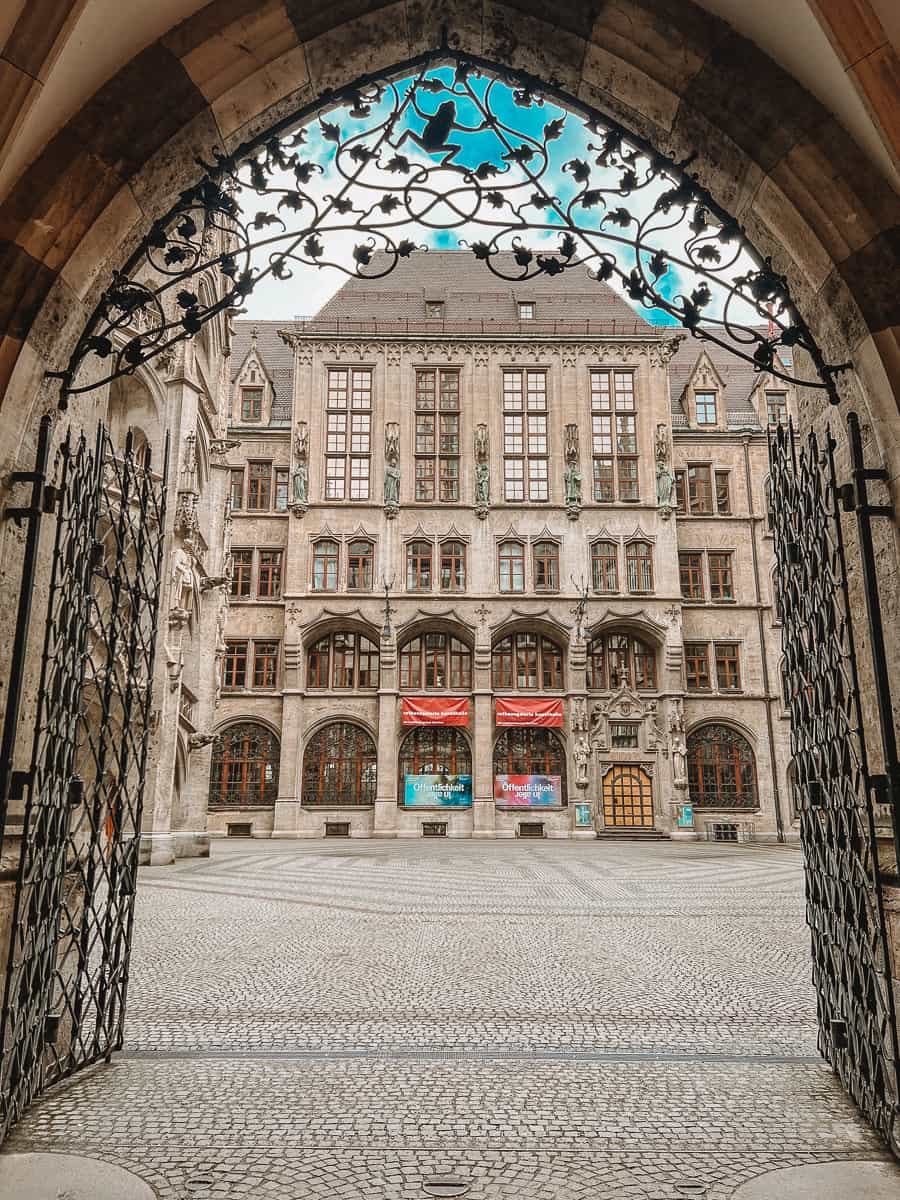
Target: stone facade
(626, 727)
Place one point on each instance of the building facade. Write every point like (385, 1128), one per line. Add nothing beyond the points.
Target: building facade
(500, 566)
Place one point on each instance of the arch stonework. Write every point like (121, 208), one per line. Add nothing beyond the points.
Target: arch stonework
(769, 153)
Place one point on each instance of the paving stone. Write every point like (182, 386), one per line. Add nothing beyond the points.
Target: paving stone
(572, 1021)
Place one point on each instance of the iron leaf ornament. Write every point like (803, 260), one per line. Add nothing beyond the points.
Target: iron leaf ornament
(531, 182)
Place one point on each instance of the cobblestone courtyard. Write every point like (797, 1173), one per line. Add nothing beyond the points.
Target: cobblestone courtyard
(553, 1022)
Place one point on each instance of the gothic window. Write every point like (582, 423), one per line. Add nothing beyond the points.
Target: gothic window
(348, 660)
(244, 769)
(618, 660)
(605, 566)
(728, 666)
(511, 561)
(259, 486)
(265, 664)
(525, 446)
(721, 768)
(435, 751)
(418, 566)
(699, 490)
(360, 560)
(723, 493)
(434, 661)
(690, 570)
(237, 487)
(269, 575)
(437, 435)
(639, 566)
(282, 484)
(721, 576)
(776, 408)
(348, 433)
(339, 766)
(527, 662)
(706, 407)
(545, 564)
(251, 403)
(325, 565)
(234, 667)
(453, 566)
(614, 436)
(241, 574)
(531, 751)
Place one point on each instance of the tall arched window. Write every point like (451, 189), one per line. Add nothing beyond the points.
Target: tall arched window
(342, 660)
(527, 661)
(339, 766)
(545, 563)
(418, 566)
(435, 660)
(453, 566)
(721, 768)
(435, 751)
(639, 566)
(244, 770)
(621, 660)
(325, 565)
(511, 563)
(605, 566)
(530, 751)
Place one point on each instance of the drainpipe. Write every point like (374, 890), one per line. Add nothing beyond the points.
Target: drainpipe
(773, 765)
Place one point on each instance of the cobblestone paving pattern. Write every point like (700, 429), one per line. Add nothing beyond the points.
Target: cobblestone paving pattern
(572, 1021)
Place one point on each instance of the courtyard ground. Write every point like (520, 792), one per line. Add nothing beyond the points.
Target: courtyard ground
(552, 1021)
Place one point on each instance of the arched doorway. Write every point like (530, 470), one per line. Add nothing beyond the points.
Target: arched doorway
(133, 325)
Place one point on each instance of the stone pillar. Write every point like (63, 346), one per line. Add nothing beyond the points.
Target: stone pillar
(287, 805)
(389, 731)
(483, 809)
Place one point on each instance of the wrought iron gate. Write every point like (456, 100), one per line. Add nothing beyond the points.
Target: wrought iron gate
(835, 791)
(63, 1004)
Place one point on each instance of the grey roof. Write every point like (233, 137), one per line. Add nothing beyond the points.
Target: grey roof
(471, 292)
(738, 376)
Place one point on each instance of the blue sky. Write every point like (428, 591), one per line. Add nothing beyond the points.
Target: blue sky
(349, 173)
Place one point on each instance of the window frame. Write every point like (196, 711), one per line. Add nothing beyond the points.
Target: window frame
(607, 558)
(615, 473)
(694, 657)
(531, 308)
(543, 561)
(722, 490)
(421, 655)
(256, 413)
(356, 773)
(638, 658)
(267, 658)
(274, 571)
(638, 559)
(731, 664)
(334, 558)
(242, 573)
(534, 464)
(719, 574)
(413, 555)
(443, 464)
(322, 662)
(701, 766)
(258, 493)
(357, 557)
(782, 396)
(222, 790)
(233, 657)
(341, 458)
(694, 573)
(524, 654)
(503, 557)
(457, 558)
(705, 398)
(697, 487)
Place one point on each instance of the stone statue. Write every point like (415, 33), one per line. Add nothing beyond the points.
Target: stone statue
(300, 477)
(578, 710)
(582, 756)
(189, 465)
(391, 468)
(678, 745)
(573, 472)
(662, 443)
(482, 471)
(598, 727)
(573, 485)
(665, 485)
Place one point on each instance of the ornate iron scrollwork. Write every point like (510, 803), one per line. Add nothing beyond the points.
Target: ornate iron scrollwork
(447, 143)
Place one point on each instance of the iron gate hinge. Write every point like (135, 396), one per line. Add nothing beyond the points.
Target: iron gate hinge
(848, 494)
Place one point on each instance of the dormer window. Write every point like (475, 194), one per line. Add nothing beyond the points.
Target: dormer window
(526, 310)
(776, 408)
(251, 403)
(706, 408)
(434, 310)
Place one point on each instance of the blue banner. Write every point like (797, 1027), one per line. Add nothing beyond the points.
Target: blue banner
(437, 791)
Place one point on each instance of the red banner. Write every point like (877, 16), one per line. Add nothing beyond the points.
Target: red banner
(529, 712)
(435, 710)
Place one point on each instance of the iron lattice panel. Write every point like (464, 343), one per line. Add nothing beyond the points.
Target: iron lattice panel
(833, 796)
(68, 964)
